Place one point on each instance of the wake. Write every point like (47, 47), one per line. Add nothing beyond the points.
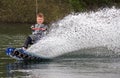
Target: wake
(79, 31)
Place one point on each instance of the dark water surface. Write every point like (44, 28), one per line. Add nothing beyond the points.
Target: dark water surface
(66, 66)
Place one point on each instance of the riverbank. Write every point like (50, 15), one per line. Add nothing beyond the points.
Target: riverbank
(15, 11)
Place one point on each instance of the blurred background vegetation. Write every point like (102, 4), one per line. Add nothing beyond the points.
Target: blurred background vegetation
(24, 11)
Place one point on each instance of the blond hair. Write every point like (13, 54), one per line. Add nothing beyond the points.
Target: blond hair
(40, 15)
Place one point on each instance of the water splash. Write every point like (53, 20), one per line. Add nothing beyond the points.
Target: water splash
(83, 30)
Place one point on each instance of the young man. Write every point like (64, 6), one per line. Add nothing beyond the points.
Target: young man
(38, 31)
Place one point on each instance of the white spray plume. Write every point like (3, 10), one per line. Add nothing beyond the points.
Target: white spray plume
(83, 30)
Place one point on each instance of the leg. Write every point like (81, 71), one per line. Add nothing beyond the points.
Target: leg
(27, 42)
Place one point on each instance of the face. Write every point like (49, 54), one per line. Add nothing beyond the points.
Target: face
(40, 20)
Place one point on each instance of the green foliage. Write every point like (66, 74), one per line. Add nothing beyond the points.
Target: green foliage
(53, 9)
(77, 5)
(83, 5)
(24, 11)
(17, 11)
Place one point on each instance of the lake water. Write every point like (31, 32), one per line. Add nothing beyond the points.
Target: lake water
(79, 49)
(71, 65)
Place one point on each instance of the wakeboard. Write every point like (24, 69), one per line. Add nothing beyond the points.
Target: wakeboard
(20, 54)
